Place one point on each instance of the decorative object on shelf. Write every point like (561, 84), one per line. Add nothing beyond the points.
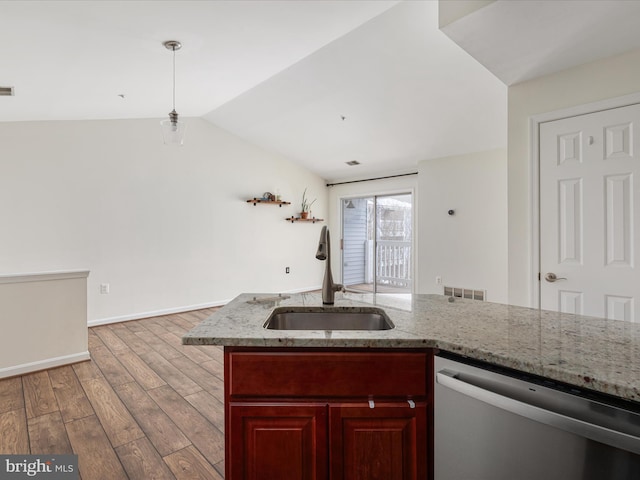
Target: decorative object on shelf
(173, 129)
(305, 205)
(304, 219)
(256, 201)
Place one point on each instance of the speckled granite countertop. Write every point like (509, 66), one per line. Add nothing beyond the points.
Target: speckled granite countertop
(601, 355)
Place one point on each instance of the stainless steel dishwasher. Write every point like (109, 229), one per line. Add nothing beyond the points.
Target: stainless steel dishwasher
(496, 424)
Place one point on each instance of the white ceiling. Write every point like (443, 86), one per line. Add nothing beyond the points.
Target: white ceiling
(407, 91)
(71, 59)
(281, 74)
(525, 39)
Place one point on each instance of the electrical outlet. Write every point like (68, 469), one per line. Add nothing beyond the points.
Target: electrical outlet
(438, 280)
(286, 270)
(104, 288)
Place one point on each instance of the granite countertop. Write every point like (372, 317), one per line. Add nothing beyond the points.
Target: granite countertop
(597, 354)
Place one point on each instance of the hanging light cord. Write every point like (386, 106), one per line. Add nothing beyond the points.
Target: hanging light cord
(174, 77)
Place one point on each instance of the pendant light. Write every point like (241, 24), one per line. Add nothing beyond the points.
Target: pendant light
(172, 129)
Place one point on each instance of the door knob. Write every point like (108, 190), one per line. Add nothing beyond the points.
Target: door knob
(551, 277)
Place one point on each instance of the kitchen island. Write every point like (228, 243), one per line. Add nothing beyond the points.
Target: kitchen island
(338, 404)
(592, 353)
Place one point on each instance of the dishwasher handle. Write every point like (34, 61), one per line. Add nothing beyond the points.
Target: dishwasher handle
(579, 427)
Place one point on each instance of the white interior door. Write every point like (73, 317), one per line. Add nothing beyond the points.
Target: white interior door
(589, 208)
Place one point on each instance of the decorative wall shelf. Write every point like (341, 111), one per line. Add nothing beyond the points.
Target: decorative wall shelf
(298, 219)
(256, 201)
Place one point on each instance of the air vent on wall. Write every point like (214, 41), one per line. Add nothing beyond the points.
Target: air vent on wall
(6, 91)
(465, 293)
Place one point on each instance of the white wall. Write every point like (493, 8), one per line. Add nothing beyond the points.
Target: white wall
(604, 79)
(468, 249)
(168, 228)
(377, 187)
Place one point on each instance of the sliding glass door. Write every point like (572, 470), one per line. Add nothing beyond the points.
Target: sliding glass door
(376, 243)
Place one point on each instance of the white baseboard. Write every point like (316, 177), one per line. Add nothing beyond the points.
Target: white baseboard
(43, 364)
(155, 313)
(185, 308)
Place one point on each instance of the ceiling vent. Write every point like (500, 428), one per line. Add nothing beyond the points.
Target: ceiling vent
(6, 91)
(352, 163)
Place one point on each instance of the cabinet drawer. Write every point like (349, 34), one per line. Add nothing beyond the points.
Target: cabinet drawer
(327, 374)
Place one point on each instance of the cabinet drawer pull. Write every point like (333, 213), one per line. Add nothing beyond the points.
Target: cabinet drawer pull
(412, 404)
(372, 404)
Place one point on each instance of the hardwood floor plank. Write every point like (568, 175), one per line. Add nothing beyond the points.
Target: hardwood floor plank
(71, 398)
(188, 317)
(173, 339)
(136, 326)
(209, 406)
(204, 436)
(220, 468)
(215, 389)
(134, 342)
(116, 420)
(142, 461)
(38, 394)
(214, 368)
(47, 435)
(158, 427)
(190, 351)
(11, 395)
(154, 327)
(94, 340)
(87, 370)
(14, 439)
(140, 371)
(195, 372)
(177, 325)
(110, 339)
(111, 368)
(170, 374)
(216, 353)
(159, 346)
(96, 458)
(189, 464)
(200, 315)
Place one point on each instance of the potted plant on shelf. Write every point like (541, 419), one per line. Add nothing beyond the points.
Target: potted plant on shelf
(306, 205)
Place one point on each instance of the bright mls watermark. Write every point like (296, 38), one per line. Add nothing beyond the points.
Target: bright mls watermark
(50, 467)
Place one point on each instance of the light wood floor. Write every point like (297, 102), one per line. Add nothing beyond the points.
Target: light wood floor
(145, 407)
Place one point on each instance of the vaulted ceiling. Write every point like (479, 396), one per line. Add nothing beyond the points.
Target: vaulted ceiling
(320, 81)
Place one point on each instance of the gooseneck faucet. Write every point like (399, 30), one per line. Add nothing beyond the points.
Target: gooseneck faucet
(324, 253)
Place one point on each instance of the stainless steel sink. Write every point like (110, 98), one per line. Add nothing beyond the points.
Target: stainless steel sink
(329, 318)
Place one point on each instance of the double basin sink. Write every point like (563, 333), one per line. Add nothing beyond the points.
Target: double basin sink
(329, 318)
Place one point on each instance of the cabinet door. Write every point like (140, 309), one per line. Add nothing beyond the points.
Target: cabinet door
(277, 441)
(387, 442)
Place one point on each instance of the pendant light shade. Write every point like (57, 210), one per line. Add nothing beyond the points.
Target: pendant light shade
(173, 129)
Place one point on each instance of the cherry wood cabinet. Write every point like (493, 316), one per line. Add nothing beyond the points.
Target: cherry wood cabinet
(328, 414)
(386, 442)
(284, 441)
